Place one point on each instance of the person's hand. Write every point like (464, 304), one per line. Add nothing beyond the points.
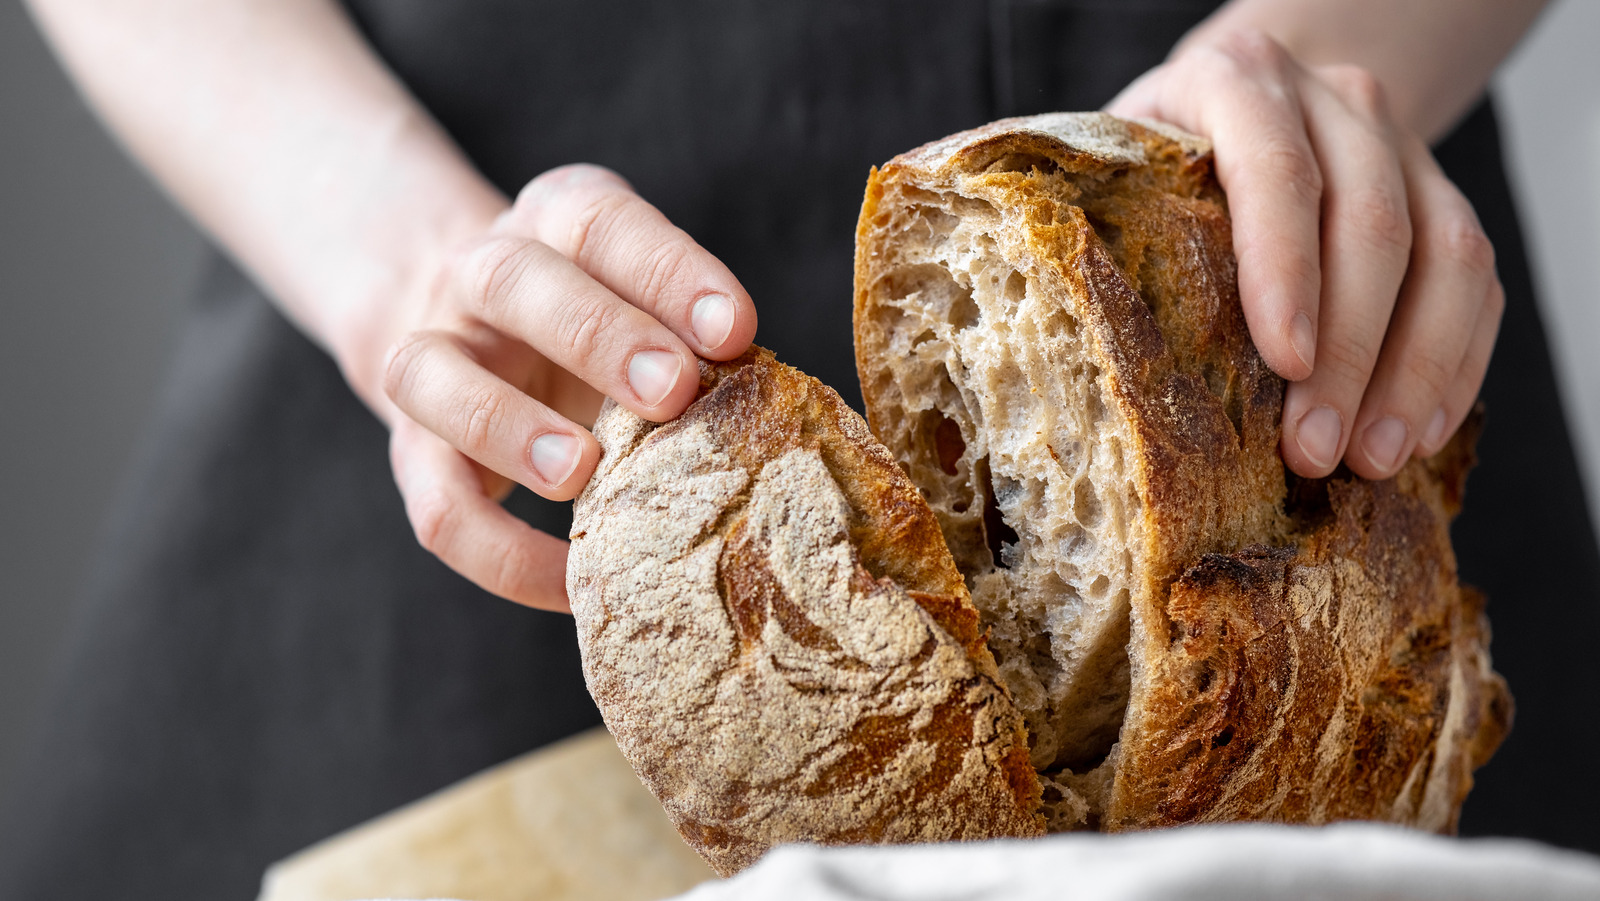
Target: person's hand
(578, 290)
(1365, 276)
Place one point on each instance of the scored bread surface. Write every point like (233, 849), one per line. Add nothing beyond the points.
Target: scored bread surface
(776, 635)
(1050, 342)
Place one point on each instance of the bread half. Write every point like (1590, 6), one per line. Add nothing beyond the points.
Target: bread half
(776, 634)
(1050, 342)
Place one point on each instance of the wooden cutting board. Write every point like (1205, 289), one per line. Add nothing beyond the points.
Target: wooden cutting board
(569, 821)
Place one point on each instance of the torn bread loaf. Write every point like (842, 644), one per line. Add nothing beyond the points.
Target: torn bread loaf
(1097, 602)
(1050, 342)
(776, 634)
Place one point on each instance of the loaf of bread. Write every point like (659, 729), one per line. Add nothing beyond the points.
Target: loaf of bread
(1074, 586)
(1050, 341)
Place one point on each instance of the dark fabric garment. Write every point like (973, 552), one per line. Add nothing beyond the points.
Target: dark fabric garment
(265, 656)
(753, 125)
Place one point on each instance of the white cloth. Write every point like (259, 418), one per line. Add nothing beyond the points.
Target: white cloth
(1345, 862)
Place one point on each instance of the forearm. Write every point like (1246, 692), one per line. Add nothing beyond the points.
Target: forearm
(1433, 57)
(273, 124)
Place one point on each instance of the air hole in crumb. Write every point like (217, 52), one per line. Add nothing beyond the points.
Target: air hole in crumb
(1016, 287)
(995, 530)
(938, 223)
(1085, 504)
(1222, 738)
(1024, 162)
(905, 281)
(949, 445)
(1220, 385)
(1306, 501)
(964, 312)
(1109, 235)
(1097, 588)
(923, 337)
(972, 208)
(1233, 408)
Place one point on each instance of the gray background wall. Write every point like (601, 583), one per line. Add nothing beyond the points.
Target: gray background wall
(95, 267)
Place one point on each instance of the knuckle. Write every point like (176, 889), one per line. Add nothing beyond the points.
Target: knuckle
(593, 219)
(666, 264)
(1252, 51)
(432, 520)
(514, 568)
(577, 175)
(1430, 371)
(1292, 166)
(483, 412)
(492, 271)
(1495, 303)
(1382, 219)
(1349, 358)
(564, 184)
(1461, 242)
(582, 330)
(1359, 88)
(1265, 255)
(399, 370)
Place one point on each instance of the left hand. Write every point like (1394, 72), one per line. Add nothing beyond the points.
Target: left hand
(1365, 276)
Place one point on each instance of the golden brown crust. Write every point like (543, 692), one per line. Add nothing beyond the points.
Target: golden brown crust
(1050, 343)
(775, 632)
(1338, 680)
(1237, 705)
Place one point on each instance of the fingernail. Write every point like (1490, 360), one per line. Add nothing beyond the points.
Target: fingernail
(712, 320)
(1383, 441)
(651, 375)
(554, 457)
(1435, 433)
(1318, 436)
(1303, 337)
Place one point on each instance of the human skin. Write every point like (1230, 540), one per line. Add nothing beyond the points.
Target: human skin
(484, 331)
(1365, 276)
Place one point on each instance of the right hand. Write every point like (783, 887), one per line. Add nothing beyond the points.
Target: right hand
(1355, 251)
(579, 290)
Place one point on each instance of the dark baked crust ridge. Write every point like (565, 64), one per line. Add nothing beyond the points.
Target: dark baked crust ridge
(1343, 679)
(776, 635)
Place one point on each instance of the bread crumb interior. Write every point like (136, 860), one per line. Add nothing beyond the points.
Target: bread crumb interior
(1025, 468)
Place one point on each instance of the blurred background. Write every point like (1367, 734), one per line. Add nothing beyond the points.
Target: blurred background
(96, 267)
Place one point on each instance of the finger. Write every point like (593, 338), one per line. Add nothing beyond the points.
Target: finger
(1141, 98)
(437, 384)
(1446, 289)
(1463, 392)
(594, 218)
(526, 289)
(1241, 92)
(470, 533)
(1366, 246)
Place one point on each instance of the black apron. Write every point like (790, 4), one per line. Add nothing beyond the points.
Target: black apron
(265, 656)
